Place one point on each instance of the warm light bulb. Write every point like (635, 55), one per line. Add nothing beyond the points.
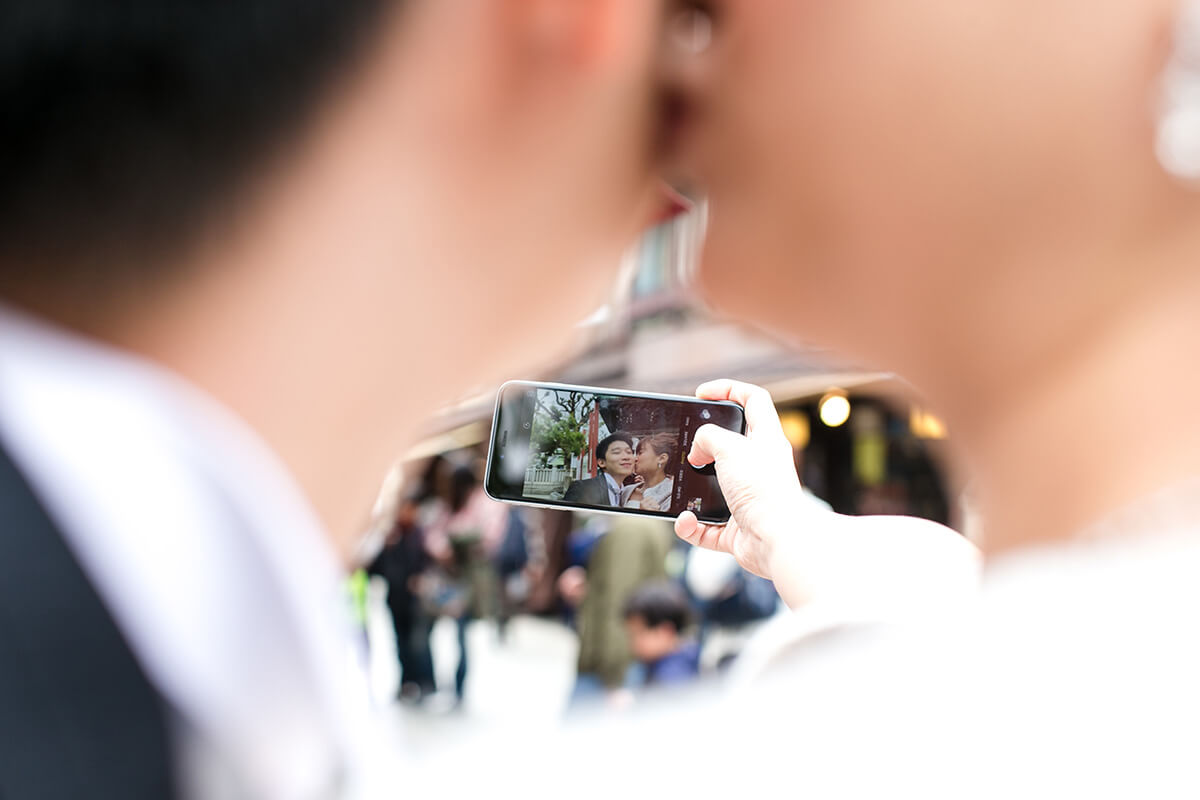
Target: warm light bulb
(834, 409)
(925, 425)
(795, 428)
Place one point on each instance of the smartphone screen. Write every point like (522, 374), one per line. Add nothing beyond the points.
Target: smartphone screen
(581, 447)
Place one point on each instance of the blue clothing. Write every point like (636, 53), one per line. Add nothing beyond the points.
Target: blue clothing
(581, 543)
(676, 668)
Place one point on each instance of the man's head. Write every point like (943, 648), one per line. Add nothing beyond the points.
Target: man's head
(655, 616)
(614, 455)
(324, 211)
(132, 131)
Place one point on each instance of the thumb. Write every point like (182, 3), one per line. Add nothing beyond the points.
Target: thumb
(714, 443)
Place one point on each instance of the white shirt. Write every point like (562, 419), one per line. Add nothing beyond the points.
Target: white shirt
(1073, 672)
(207, 555)
(653, 498)
(617, 494)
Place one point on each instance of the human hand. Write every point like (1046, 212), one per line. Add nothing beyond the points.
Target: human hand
(572, 586)
(656, 505)
(870, 564)
(757, 476)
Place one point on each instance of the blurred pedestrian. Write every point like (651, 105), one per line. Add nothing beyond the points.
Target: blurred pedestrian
(510, 561)
(731, 603)
(464, 536)
(632, 552)
(657, 615)
(549, 558)
(403, 563)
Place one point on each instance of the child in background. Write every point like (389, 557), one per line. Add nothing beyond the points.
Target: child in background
(656, 616)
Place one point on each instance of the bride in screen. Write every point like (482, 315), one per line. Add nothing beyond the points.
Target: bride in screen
(654, 454)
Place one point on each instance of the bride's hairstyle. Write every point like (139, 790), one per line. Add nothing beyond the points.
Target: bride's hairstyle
(662, 443)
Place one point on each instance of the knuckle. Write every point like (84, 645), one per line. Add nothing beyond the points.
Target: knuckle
(757, 391)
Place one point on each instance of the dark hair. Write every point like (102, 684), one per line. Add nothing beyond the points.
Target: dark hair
(609, 441)
(462, 483)
(427, 486)
(659, 603)
(129, 128)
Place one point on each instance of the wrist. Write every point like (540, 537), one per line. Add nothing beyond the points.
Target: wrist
(781, 568)
(801, 551)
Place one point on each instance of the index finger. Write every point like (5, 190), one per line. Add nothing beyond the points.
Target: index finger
(760, 408)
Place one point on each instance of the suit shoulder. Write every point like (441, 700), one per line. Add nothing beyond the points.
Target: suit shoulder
(583, 485)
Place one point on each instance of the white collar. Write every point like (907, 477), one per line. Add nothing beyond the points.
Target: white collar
(622, 492)
(198, 540)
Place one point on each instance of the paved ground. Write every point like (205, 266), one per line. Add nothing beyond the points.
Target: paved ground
(527, 678)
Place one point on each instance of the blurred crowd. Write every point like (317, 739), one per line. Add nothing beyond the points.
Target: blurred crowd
(649, 611)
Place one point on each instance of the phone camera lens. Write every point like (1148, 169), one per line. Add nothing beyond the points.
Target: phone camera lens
(705, 414)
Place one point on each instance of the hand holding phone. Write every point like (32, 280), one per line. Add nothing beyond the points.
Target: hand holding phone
(878, 566)
(586, 448)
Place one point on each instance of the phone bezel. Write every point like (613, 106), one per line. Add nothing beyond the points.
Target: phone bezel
(493, 445)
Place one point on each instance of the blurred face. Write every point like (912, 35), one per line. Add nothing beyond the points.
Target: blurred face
(618, 460)
(650, 644)
(468, 188)
(648, 462)
(486, 168)
(883, 173)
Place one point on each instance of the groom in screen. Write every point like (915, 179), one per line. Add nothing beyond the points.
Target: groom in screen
(615, 458)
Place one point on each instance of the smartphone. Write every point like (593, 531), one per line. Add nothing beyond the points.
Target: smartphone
(586, 448)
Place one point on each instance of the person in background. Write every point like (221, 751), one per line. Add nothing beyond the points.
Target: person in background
(587, 530)
(511, 562)
(357, 585)
(656, 616)
(549, 558)
(464, 537)
(731, 603)
(631, 553)
(403, 563)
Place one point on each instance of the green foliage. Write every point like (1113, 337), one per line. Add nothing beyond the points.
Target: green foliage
(561, 435)
(559, 427)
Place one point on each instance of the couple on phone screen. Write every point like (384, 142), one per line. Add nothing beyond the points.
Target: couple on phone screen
(618, 457)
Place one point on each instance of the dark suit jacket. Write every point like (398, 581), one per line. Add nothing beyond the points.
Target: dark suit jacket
(593, 491)
(77, 716)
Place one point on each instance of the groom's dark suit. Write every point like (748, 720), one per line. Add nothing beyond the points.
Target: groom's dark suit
(77, 716)
(593, 491)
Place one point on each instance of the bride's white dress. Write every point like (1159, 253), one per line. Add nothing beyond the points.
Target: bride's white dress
(656, 498)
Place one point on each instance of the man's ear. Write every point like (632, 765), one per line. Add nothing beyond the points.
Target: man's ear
(548, 36)
(581, 33)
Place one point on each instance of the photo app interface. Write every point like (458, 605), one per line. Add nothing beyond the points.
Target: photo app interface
(610, 451)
